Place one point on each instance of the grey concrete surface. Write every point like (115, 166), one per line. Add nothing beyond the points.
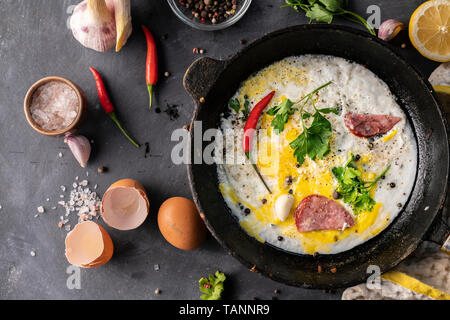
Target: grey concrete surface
(35, 42)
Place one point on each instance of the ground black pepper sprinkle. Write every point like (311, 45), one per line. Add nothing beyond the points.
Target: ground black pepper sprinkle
(172, 111)
(264, 201)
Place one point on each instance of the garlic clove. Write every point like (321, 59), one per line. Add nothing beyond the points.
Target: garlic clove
(122, 11)
(93, 24)
(283, 206)
(389, 29)
(80, 147)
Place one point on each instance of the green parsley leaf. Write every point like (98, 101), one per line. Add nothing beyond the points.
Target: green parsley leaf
(245, 110)
(300, 146)
(283, 111)
(333, 5)
(212, 287)
(326, 10)
(319, 13)
(313, 141)
(306, 115)
(234, 104)
(354, 190)
(329, 110)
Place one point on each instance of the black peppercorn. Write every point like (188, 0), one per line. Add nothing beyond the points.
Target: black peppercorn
(392, 185)
(357, 157)
(280, 238)
(247, 211)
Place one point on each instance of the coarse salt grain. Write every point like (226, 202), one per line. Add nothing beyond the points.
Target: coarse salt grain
(40, 209)
(33, 253)
(60, 154)
(83, 201)
(54, 105)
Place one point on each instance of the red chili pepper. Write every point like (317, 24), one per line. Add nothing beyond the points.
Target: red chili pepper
(249, 130)
(106, 103)
(152, 63)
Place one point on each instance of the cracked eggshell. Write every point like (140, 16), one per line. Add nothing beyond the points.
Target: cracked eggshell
(125, 205)
(88, 245)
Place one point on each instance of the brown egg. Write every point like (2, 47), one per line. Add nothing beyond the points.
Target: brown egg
(180, 223)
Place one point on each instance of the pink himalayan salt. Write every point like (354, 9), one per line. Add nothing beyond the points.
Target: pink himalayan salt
(54, 106)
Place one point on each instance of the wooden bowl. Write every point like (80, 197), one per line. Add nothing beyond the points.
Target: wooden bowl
(82, 106)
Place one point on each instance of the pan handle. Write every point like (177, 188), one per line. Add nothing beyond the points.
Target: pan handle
(439, 231)
(201, 75)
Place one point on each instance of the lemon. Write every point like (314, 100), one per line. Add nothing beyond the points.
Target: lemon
(440, 79)
(429, 30)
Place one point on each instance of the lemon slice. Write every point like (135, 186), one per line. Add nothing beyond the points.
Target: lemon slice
(429, 30)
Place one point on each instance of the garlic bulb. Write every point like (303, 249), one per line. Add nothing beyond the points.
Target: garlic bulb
(80, 147)
(102, 24)
(389, 29)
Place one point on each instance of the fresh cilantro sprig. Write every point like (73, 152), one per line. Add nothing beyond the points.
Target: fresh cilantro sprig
(353, 189)
(282, 112)
(326, 10)
(314, 140)
(281, 115)
(212, 287)
(235, 105)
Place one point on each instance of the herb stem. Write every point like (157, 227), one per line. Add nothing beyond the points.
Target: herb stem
(373, 182)
(359, 20)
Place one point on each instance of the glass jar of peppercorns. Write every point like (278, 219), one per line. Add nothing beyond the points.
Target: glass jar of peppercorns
(209, 15)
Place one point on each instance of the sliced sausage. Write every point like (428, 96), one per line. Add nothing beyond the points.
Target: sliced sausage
(316, 212)
(369, 125)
